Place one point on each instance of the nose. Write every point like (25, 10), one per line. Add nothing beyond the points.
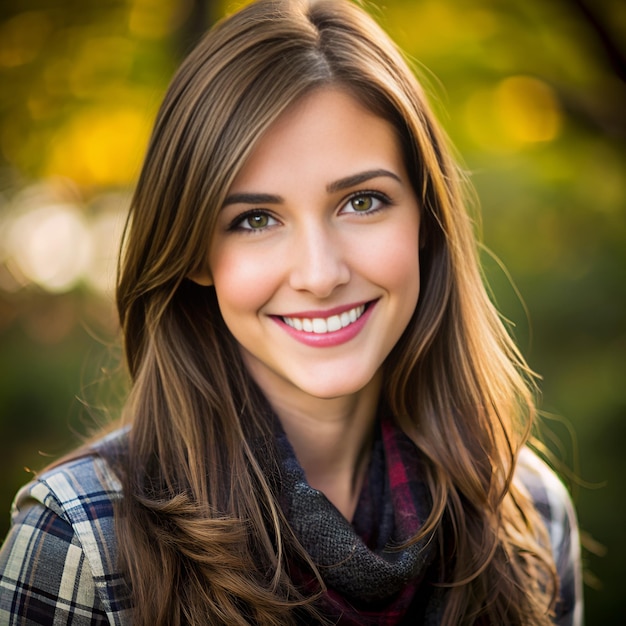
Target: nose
(318, 263)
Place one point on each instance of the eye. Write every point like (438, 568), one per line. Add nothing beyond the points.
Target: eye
(365, 202)
(253, 220)
(362, 203)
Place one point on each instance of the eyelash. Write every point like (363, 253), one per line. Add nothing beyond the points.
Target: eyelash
(367, 193)
(236, 224)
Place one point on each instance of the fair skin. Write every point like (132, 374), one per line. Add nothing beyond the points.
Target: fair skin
(315, 265)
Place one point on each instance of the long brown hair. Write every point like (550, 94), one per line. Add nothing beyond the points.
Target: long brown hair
(201, 492)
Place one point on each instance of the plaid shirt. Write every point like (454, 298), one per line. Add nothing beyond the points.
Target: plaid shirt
(58, 563)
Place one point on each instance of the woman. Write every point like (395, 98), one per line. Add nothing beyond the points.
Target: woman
(328, 421)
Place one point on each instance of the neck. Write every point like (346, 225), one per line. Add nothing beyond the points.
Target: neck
(332, 440)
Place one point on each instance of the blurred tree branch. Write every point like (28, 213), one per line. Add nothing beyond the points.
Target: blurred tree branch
(201, 15)
(604, 109)
(610, 43)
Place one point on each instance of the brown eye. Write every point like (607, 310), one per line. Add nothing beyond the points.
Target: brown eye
(258, 220)
(251, 221)
(362, 203)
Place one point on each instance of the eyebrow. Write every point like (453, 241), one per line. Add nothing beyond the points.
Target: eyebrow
(252, 198)
(337, 185)
(357, 179)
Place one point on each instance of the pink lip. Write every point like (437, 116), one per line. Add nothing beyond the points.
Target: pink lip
(327, 340)
(338, 310)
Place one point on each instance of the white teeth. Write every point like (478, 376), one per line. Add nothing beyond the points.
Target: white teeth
(333, 323)
(320, 325)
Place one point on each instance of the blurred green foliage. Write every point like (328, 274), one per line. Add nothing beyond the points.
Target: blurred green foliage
(531, 93)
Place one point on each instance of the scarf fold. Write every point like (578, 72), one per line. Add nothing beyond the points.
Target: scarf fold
(370, 577)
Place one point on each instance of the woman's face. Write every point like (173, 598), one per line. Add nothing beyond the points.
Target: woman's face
(315, 256)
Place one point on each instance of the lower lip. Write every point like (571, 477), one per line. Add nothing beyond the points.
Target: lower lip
(328, 340)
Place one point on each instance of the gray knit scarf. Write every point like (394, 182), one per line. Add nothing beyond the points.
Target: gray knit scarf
(369, 578)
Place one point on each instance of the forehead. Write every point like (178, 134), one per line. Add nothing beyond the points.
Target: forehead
(326, 134)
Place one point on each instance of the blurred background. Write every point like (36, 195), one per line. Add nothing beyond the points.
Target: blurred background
(531, 93)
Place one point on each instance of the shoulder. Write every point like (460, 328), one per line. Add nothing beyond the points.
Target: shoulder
(59, 561)
(79, 490)
(554, 505)
(548, 493)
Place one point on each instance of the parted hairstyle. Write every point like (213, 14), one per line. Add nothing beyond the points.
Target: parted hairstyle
(201, 533)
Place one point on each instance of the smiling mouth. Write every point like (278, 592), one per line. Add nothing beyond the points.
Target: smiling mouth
(323, 325)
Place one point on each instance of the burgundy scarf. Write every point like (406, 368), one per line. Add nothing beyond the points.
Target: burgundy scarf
(369, 580)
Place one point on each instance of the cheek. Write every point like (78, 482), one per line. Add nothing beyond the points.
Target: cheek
(242, 283)
(393, 260)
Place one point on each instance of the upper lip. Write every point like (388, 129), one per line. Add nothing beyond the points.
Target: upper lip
(338, 310)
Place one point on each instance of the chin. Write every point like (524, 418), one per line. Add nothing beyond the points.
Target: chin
(334, 388)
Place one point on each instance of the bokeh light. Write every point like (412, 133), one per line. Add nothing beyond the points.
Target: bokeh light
(102, 147)
(60, 245)
(51, 246)
(518, 111)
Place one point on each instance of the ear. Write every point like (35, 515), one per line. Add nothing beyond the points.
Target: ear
(201, 277)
